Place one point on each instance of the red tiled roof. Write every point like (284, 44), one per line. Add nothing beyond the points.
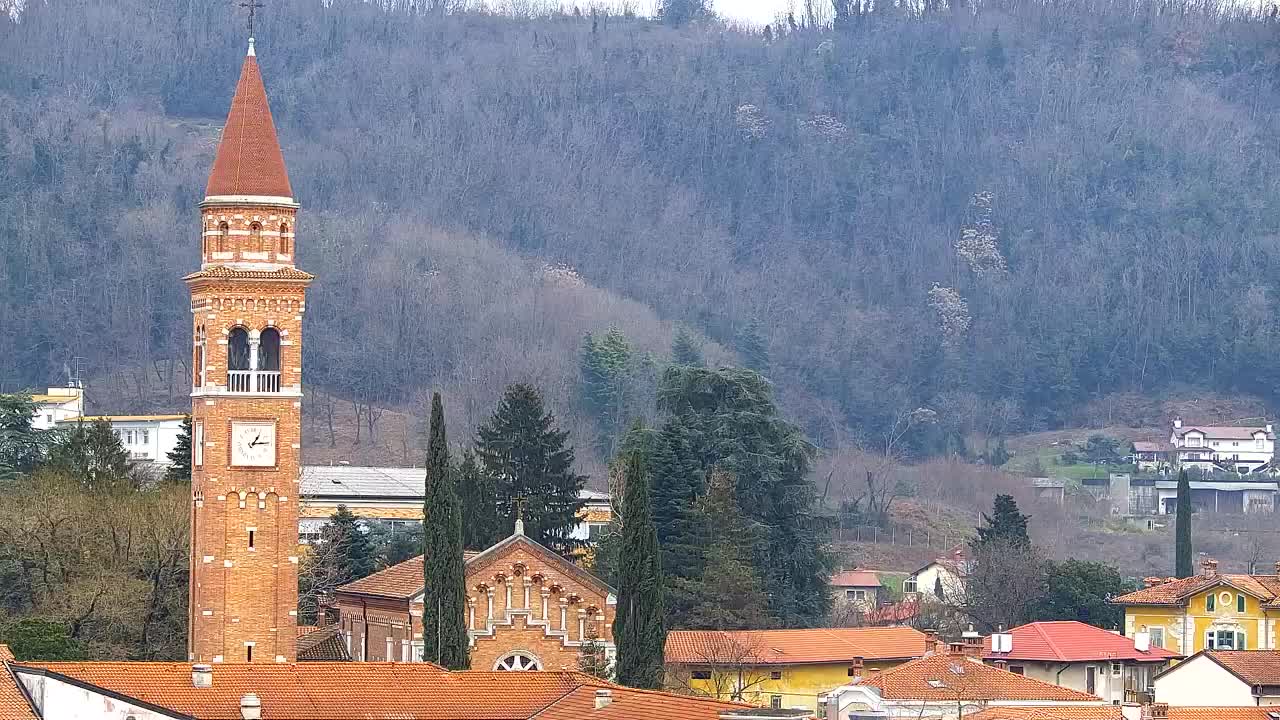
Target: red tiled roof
(402, 580)
(1221, 713)
(222, 271)
(13, 703)
(340, 691)
(249, 161)
(1255, 667)
(893, 613)
(855, 578)
(322, 644)
(1176, 592)
(787, 647)
(1071, 641)
(1227, 432)
(1064, 712)
(952, 677)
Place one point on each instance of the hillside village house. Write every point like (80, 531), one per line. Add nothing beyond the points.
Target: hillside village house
(527, 609)
(946, 686)
(147, 438)
(860, 588)
(64, 403)
(1209, 611)
(1223, 677)
(392, 497)
(784, 668)
(945, 573)
(1081, 657)
(1223, 447)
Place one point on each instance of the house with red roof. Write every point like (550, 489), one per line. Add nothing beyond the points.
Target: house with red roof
(1239, 678)
(859, 588)
(1081, 657)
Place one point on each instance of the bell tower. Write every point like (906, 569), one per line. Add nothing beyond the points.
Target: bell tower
(247, 302)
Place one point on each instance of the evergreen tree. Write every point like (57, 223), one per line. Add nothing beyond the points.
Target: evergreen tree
(606, 371)
(638, 627)
(730, 593)
(685, 349)
(1081, 590)
(92, 453)
(444, 606)
(1005, 523)
(21, 445)
(999, 456)
(679, 12)
(678, 482)
(1183, 566)
(38, 640)
(477, 493)
(179, 469)
(528, 458)
(939, 591)
(353, 554)
(752, 347)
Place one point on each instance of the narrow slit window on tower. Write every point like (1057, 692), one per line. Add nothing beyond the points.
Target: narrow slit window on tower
(256, 242)
(223, 230)
(284, 241)
(251, 539)
(248, 653)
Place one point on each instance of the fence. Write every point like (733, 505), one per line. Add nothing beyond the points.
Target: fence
(895, 534)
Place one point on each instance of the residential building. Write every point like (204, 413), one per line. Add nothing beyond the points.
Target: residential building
(147, 438)
(527, 609)
(1129, 711)
(1223, 677)
(1230, 448)
(945, 686)
(1153, 455)
(392, 497)
(57, 405)
(859, 588)
(784, 668)
(945, 573)
(1081, 657)
(311, 690)
(1143, 497)
(1207, 611)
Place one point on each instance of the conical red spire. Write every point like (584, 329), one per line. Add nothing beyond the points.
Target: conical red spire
(249, 161)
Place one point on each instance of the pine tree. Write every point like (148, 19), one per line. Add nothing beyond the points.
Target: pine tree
(444, 607)
(638, 627)
(354, 555)
(477, 494)
(685, 349)
(21, 445)
(179, 469)
(528, 458)
(606, 374)
(678, 482)
(1005, 524)
(752, 347)
(1183, 566)
(730, 593)
(93, 454)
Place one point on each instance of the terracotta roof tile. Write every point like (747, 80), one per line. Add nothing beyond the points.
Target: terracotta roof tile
(322, 644)
(402, 580)
(944, 676)
(1066, 712)
(340, 691)
(13, 703)
(785, 647)
(1071, 641)
(855, 578)
(222, 271)
(894, 613)
(1176, 592)
(249, 161)
(1221, 713)
(1255, 667)
(1227, 432)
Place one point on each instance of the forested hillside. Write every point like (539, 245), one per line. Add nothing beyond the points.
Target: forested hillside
(996, 213)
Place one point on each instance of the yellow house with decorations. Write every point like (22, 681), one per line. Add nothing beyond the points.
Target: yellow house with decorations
(785, 668)
(1209, 611)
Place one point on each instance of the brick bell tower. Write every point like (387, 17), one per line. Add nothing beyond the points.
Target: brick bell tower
(247, 301)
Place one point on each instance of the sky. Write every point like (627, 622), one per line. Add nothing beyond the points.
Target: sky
(757, 12)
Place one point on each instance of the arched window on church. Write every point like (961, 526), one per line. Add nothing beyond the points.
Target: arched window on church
(239, 373)
(284, 241)
(256, 242)
(269, 361)
(223, 231)
(517, 661)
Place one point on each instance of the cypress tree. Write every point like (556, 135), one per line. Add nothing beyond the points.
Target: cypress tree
(179, 469)
(638, 627)
(528, 457)
(444, 607)
(1182, 529)
(1005, 523)
(481, 526)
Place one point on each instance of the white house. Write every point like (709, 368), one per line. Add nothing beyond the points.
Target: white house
(147, 438)
(64, 403)
(946, 572)
(1235, 678)
(1232, 448)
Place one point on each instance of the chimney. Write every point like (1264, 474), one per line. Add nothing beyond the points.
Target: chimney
(604, 696)
(1177, 423)
(1269, 429)
(1277, 567)
(855, 668)
(1159, 711)
(972, 643)
(1150, 582)
(250, 707)
(931, 635)
(201, 675)
(1208, 567)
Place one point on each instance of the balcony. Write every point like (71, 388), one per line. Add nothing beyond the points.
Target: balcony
(253, 381)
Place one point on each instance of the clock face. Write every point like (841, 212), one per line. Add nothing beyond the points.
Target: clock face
(253, 444)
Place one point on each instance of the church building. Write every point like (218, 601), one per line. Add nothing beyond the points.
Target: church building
(247, 301)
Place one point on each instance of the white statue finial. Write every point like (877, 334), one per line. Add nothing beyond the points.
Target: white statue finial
(251, 52)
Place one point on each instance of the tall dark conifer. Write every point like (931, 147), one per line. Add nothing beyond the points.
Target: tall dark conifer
(638, 627)
(1005, 523)
(529, 458)
(179, 469)
(444, 632)
(1183, 566)
(677, 483)
(481, 526)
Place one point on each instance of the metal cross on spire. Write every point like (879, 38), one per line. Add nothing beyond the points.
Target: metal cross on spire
(253, 5)
(519, 502)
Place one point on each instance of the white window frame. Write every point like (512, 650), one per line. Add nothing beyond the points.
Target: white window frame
(1116, 669)
(1239, 641)
(197, 446)
(1157, 636)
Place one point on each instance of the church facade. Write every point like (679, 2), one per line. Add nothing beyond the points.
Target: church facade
(247, 303)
